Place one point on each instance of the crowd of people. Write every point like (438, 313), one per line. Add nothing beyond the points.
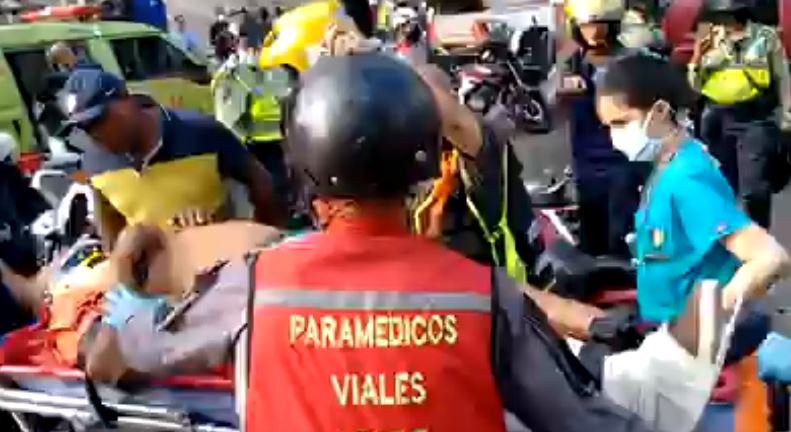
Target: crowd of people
(228, 37)
(357, 322)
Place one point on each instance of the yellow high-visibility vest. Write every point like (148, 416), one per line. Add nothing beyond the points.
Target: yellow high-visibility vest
(732, 85)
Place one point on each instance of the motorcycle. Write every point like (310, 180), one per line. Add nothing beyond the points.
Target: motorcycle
(511, 67)
(555, 202)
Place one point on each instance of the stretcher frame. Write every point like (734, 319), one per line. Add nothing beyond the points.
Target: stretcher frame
(82, 415)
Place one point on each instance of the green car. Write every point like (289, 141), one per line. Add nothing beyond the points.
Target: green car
(145, 56)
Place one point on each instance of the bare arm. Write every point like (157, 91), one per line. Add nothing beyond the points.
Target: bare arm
(567, 317)
(269, 208)
(764, 262)
(109, 221)
(459, 125)
(28, 292)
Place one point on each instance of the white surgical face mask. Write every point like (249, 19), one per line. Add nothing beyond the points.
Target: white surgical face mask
(632, 140)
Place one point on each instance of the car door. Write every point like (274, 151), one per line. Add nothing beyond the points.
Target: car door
(153, 64)
(14, 117)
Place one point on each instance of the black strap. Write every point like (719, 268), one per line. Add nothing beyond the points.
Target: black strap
(754, 83)
(250, 259)
(496, 323)
(108, 417)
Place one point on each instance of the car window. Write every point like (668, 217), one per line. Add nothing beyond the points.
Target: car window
(126, 53)
(33, 75)
(151, 57)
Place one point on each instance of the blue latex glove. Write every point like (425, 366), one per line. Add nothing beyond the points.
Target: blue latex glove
(122, 302)
(774, 359)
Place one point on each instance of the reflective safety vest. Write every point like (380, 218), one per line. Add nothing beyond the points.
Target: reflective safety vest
(500, 238)
(737, 84)
(381, 333)
(245, 101)
(508, 256)
(731, 77)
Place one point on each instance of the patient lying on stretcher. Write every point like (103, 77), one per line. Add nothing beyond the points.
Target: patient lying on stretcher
(114, 319)
(109, 319)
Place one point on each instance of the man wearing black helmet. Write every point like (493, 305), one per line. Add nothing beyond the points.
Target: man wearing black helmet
(363, 326)
(740, 68)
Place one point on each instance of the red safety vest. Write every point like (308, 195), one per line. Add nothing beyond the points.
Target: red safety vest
(358, 333)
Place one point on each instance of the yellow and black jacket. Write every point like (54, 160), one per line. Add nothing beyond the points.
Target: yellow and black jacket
(195, 155)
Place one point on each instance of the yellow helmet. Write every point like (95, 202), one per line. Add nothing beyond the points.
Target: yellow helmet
(588, 11)
(295, 32)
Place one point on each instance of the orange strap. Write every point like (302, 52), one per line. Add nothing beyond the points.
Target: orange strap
(428, 216)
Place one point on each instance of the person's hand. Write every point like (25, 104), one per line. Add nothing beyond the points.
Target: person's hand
(135, 245)
(774, 358)
(618, 329)
(122, 303)
(572, 85)
(731, 295)
(702, 45)
(191, 218)
(459, 125)
(343, 38)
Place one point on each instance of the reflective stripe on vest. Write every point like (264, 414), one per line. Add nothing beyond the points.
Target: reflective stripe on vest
(736, 84)
(374, 300)
(513, 262)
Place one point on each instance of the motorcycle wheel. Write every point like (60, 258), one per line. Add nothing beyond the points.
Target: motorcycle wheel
(531, 112)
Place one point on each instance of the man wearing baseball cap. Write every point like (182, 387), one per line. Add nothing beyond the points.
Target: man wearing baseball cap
(150, 164)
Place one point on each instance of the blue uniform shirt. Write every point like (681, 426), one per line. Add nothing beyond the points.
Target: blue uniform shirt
(686, 209)
(591, 147)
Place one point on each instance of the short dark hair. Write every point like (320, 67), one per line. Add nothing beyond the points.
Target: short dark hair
(360, 12)
(644, 78)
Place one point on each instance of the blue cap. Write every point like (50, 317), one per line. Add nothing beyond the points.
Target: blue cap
(87, 94)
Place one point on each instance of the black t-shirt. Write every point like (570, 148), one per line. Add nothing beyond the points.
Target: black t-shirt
(216, 28)
(21, 206)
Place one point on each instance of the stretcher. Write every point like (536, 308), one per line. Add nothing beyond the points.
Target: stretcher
(188, 403)
(210, 403)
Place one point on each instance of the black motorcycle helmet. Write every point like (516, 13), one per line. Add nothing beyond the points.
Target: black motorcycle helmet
(363, 127)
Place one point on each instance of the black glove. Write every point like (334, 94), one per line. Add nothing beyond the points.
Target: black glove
(618, 329)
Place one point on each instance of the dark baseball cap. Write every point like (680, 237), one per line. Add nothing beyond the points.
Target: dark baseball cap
(87, 93)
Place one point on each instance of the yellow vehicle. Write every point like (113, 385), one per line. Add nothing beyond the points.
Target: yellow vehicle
(146, 57)
(295, 33)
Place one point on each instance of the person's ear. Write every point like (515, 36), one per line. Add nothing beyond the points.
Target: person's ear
(663, 110)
